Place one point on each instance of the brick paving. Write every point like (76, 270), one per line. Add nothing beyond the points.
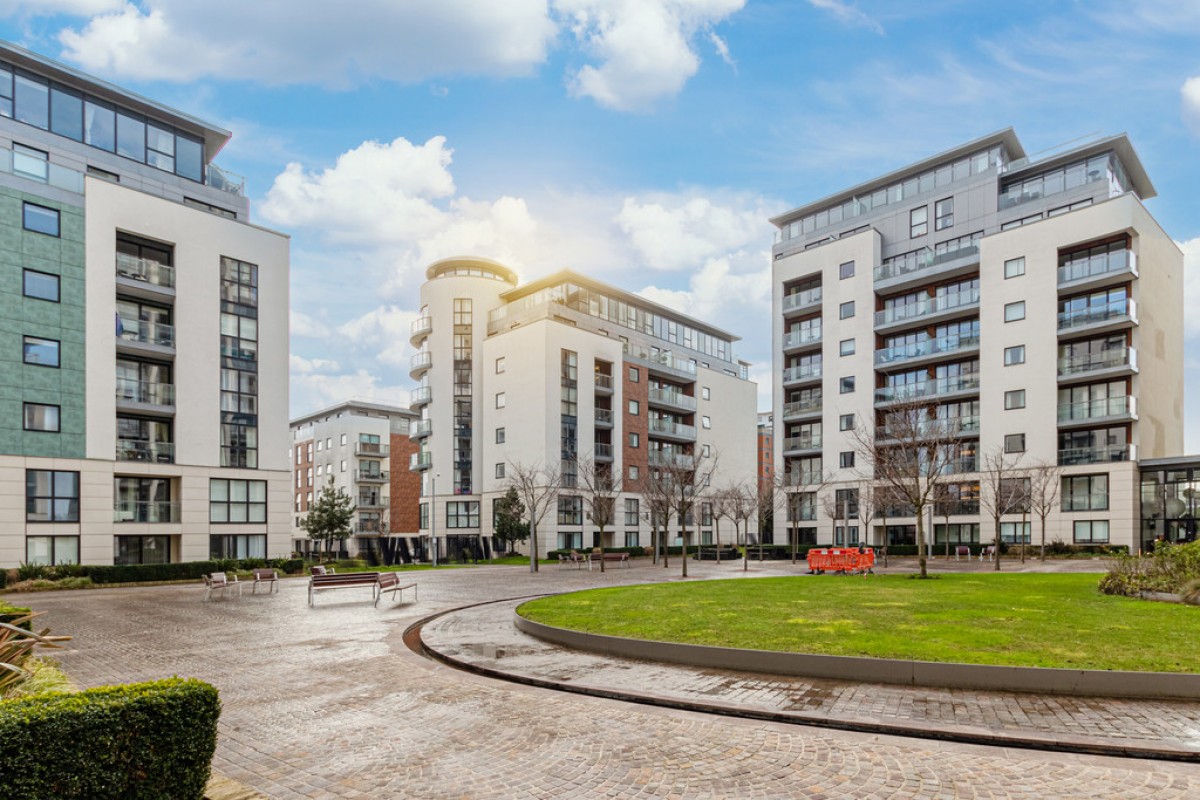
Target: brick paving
(326, 702)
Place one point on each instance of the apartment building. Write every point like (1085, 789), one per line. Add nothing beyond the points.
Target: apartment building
(144, 327)
(766, 453)
(1033, 305)
(560, 371)
(363, 448)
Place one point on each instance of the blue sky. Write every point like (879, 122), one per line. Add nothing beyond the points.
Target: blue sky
(642, 141)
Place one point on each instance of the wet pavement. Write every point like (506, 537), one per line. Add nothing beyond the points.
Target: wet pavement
(327, 702)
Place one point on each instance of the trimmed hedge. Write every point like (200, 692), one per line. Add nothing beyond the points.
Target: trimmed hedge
(10, 613)
(3, 578)
(142, 741)
(137, 573)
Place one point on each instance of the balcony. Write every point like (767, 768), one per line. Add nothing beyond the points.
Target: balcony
(148, 452)
(40, 171)
(960, 384)
(132, 334)
(134, 395)
(924, 267)
(962, 508)
(805, 337)
(420, 328)
(802, 373)
(659, 458)
(1104, 364)
(928, 310)
(604, 383)
(927, 350)
(373, 476)
(136, 274)
(662, 363)
(668, 429)
(150, 511)
(802, 301)
(420, 429)
(803, 479)
(671, 398)
(224, 180)
(1097, 270)
(940, 428)
(802, 408)
(960, 466)
(1109, 409)
(372, 449)
(421, 396)
(799, 445)
(370, 501)
(602, 451)
(1098, 318)
(420, 461)
(419, 363)
(604, 418)
(1099, 454)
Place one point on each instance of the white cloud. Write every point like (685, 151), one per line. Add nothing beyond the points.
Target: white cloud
(849, 14)
(287, 41)
(298, 365)
(76, 8)
(1191, 286)
(304, 326)
(645, 48)
(311, 391)
(722, 48)
(680, 232)
(1190, 96)
(384, 331)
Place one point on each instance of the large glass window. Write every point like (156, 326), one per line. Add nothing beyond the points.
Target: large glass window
(1093, 531)
(131, 137)
(40, 219)
(141, 550)
(30, 163)
(41, 285)
(40, 352)
(237, 501)
(160, 148)
(239, 545)
(1085, 493)
(66, 113)
(239, 364)
(99, 125)
(6, 91)
(189, 158)
(51, 496)
(462, 514)
(42, 417)
(144, 500)
(52, 550)
(33, 101)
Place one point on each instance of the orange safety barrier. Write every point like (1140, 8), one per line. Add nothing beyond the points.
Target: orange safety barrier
(836, 559)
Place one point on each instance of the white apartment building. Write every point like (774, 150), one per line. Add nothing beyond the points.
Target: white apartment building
(145, 333)
(351, 444)
(1035, 303)
(559, 370)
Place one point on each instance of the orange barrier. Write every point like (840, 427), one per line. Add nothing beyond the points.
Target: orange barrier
(836, 559)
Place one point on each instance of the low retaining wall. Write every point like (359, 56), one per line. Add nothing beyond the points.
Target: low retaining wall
(1101, 683)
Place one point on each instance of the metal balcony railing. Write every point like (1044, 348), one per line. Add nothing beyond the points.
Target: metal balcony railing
(1094, 362)
(1125, 405)
(1100, 454)
(673, 398)
(1098, 313)
(927, 307)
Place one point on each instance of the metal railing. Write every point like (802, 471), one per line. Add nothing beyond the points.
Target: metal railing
(1094, 314)
(421, 326)
(224, 180)
(603, 382)
(602, 450)
(138, 330)
(421, 395)
(1092, 362)
(670, 428)
(673, 398)
(146, 270)
(1102, 264)
(791, 302)
(802, 337)
(928, 306)
(139, 450)
(422, 360)
(943, 345)
(150, 393)
(146, 511)
(1098, 409)
(1099, 454)
(958, 508)
(802, 372)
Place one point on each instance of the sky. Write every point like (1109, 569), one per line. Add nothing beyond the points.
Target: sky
(643, 142)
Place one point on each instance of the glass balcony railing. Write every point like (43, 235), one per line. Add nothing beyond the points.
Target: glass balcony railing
(1124, 406)
(145, 270)
(603, 451)
(1100, 454)
(1101, 264)
(418, 461)
(224, 180)
(146, 511)
(139, 450)
(811, 405)
(940, 428)
(927, 388)
(156, 394)
(802, 372)
(801, 337)
(420, 361)
(604, 383)
(944, 345)
(421, 326)
(604, 416)
(673, 398)
(1094, 362)
(421, 427)
(922, 261)
(798, 300)
(959, 466)
(669, 428)
(371, 501)
(372, 449)
(39, 170)
(661, 358)
(1096, 314)
(659, 458)
(794, 443)
(961, 508)
(421, 395)
(137, 330)
(376, 476)
(928, 306)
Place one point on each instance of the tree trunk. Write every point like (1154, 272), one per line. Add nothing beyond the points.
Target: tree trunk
(923, 557)
(601, 549)
(996, 555)
(683, 538)
(1043, 555)
(664, 537)
(533, 547)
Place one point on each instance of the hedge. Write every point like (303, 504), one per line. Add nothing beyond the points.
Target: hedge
(136, 573)
(141, 741)
(3, 578)
(10, 614)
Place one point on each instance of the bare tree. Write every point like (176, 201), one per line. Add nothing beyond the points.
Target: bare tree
(908, 454)
(600, 491)
(1045, 486)
(790, 487)
(657, 494)
(868, 507)
(723, 502)
(944, 500)
(1001, 489)
(683, 479)
(537, 484)
(743, 506)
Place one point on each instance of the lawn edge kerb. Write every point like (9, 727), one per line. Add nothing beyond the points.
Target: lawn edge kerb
(906, 672)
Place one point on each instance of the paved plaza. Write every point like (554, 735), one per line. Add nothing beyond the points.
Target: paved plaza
(328, 702)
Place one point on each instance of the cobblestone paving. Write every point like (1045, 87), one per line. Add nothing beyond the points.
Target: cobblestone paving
(326, 702)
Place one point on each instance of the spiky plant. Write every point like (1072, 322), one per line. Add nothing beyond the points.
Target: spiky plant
(16, 646)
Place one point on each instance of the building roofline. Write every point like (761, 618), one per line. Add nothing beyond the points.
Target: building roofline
(441, 265)
(214, 137)
(1169, 462)
(566, 275)
(369, 405)
(1006, 137)
(1119, 143)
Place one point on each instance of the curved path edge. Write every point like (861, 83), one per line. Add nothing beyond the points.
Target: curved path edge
(1042, 680)
(1034, 741)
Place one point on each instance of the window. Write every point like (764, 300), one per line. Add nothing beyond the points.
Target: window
(633, 375)
(52, 550)
(1085, 493)
(846, 422)
(237, 501)
(633, 473)
(320, 445)
(634, 407)
(705, 422)
(705, 393)
(846, 347)
(706, 451)
(846, 310)
(1014, 311)
(237, 545)
(1014, 355)
(32, 101)
(634, 440)
(1014, 443)
(66, 113)
(1014, 399)
(499, 435)
(30, 163)
(1015, 532)
(51, 496)
(462, 514)
(846, 385)
(343, 439)
(40, 219)
(42, 417)
(943, 214)
(501, 400)
(500, 471)
(631, 539)
(500, 365)
(1093, 531)
(1014, 267)
(846, 270)
(570, 510)
(846, 459)
(631, 512)
(918, 222)
(131, 136)
(41, 285)
(41, 352)
(239, 362)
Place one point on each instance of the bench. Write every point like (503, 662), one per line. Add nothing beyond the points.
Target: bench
(620, 558)
(390, 582)
(962, 550)
(988, 553)
(219, 582)
(346, 580)
(267, 576)
(578, 559)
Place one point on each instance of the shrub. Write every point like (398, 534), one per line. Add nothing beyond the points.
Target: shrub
(32, 572)
(17, 643)
(3, 578)
(48, 585)
(1170, 568)
(145, 741)
(15, 615)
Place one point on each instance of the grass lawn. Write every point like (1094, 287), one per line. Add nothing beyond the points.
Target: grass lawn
(1021, 620)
